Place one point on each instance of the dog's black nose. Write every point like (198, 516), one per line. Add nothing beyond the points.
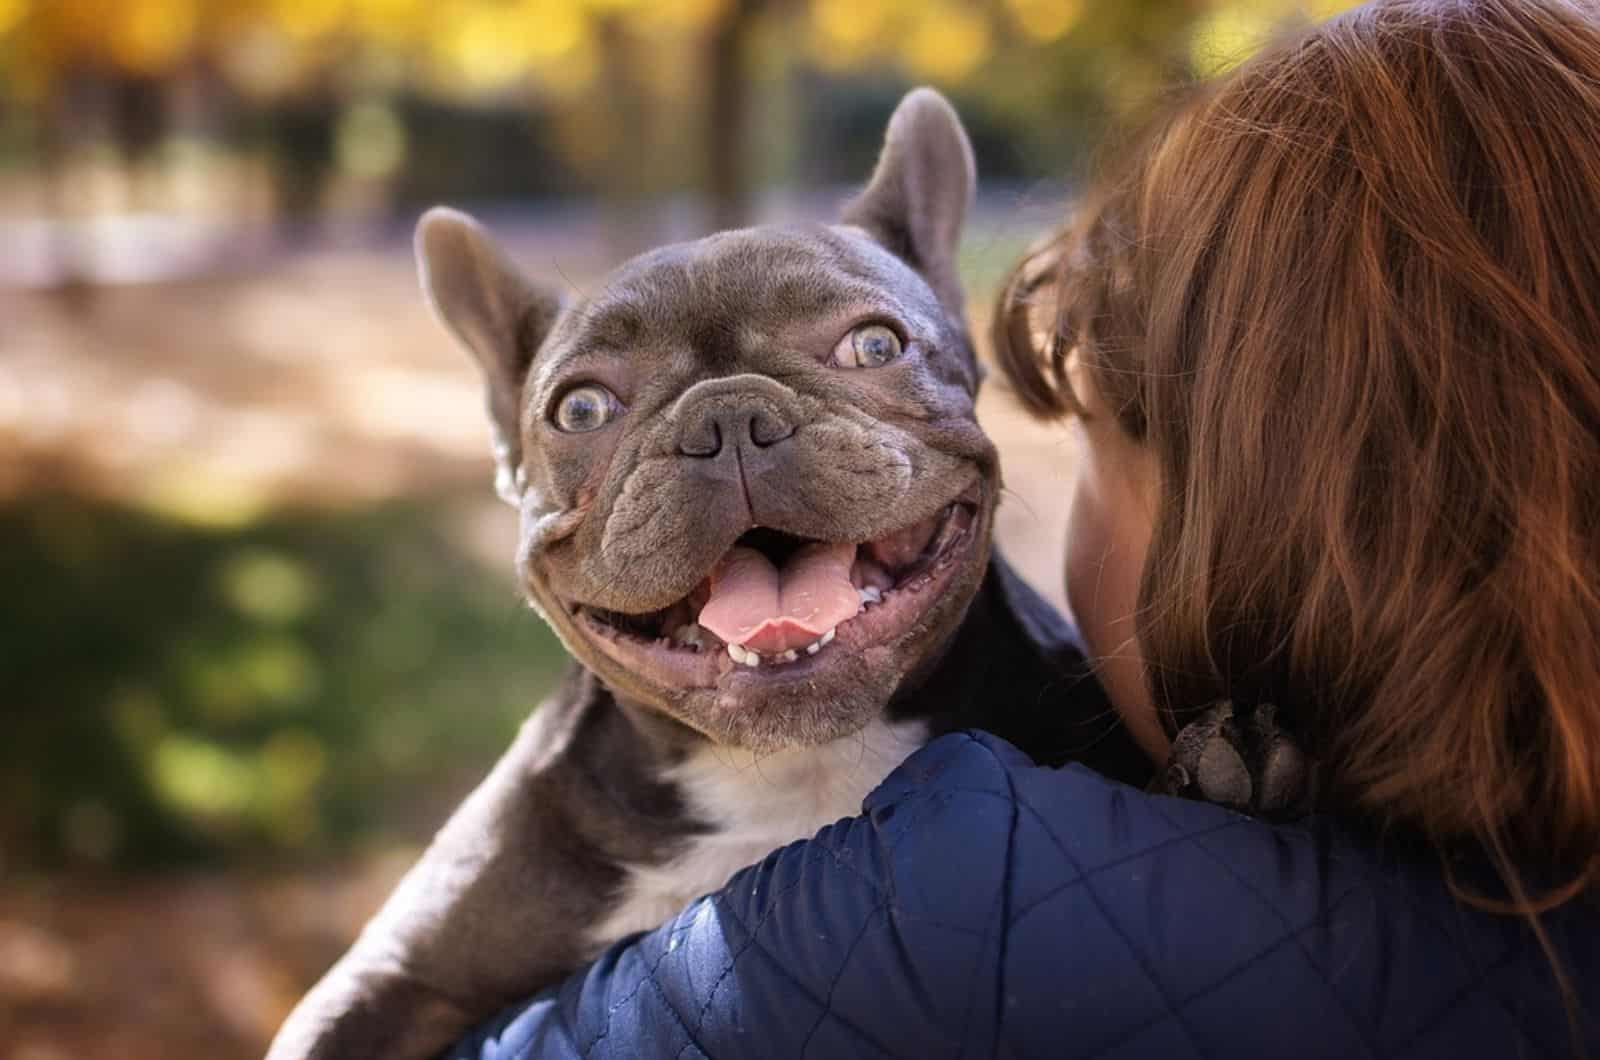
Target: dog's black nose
(732, 419)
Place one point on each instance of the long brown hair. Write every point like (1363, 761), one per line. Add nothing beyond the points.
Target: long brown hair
(1349, 297)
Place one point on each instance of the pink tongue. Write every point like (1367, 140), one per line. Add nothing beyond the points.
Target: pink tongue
(757, 606)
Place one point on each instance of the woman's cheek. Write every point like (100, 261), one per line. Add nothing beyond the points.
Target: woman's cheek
(1102, 577)
(1085, 553)
(1108, 534)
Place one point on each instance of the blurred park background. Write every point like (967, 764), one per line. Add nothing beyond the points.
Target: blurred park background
(257, 628)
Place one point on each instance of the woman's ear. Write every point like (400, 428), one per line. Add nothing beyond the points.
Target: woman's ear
(918, 197)
(495, 312)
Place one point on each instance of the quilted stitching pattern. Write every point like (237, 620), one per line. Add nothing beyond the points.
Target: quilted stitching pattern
(986, 907)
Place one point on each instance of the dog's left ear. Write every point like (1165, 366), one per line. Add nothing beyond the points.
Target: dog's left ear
(919, 194)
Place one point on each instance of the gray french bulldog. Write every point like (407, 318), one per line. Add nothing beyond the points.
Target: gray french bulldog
(756, 506)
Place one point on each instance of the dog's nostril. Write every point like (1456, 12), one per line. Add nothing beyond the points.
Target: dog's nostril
(704, 440)
(768, 428)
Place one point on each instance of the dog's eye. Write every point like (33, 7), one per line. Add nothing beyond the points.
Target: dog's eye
(868, 346)
(585, 408)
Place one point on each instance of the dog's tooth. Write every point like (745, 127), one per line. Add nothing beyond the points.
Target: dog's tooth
(789, 656)
(827, 638)
(814, 647)
(870, 594)
(736, 652)
(688, 633)
(752, 659)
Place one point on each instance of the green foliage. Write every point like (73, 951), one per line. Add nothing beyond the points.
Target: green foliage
(178, 693)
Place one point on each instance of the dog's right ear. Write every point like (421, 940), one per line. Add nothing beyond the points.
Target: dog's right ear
(493, 310)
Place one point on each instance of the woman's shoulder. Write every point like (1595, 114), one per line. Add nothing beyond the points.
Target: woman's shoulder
(1142, 919)
(983, 905)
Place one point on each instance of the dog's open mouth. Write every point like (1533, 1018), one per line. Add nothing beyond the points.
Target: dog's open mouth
(775, 601)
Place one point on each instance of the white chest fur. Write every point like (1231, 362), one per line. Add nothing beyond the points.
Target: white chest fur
(753, 806)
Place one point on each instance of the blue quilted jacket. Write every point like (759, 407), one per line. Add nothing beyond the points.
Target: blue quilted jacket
(983, 906)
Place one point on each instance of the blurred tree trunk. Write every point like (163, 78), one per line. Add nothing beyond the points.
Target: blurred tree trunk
(64, 113)
(141, 121)
(727, 114)
(139, 115)
(301, 134)
(627, 175)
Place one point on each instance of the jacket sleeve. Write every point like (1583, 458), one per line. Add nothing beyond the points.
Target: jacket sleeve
(983, 906)
(897, 910)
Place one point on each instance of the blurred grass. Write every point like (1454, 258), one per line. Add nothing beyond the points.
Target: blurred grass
(182, 694)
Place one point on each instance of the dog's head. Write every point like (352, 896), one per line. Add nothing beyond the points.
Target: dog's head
(753, 492)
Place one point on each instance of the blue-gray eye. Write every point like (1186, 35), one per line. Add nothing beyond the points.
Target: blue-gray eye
(868, 346)
(585, 408)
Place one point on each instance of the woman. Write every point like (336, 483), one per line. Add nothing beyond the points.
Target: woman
(1333, 342)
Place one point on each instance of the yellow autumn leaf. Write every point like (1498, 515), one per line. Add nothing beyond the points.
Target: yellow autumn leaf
(1227, 37)
(1045, 20)
(947, 43)
(305, 19)
(151, 36)
(848, 25)
(11, 13)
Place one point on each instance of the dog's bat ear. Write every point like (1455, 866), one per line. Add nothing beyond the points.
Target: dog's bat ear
(919, 194)
(493, 310)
